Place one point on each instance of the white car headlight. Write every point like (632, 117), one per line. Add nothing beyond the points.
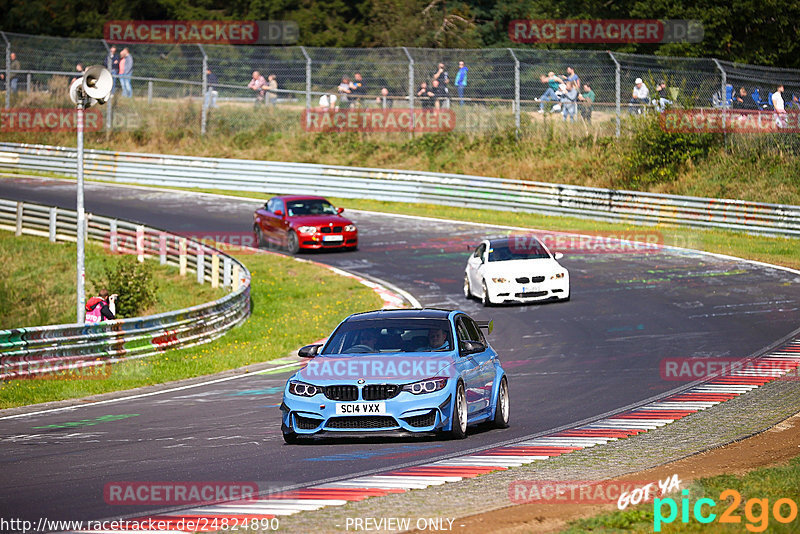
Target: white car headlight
(557, 275)
(350, 228)
(499, 280)
(307, 229)
(426, 386)
(302, 389)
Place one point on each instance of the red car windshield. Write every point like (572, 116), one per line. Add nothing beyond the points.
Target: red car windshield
(312, 206)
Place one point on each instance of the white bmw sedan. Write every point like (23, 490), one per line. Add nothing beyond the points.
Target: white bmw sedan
(515, 269)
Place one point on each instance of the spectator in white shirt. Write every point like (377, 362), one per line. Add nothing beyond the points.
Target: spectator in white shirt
(640, 97)
(780, 110)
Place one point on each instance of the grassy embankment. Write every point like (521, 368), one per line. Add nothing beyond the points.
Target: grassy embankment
(749, 167)
(293, 303)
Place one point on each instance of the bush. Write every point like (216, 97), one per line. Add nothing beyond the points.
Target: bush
(657, 156)
(133, 282)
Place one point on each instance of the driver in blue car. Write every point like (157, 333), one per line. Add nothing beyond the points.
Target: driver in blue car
(437, 340)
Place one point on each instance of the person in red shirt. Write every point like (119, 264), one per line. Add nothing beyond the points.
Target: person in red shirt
(101, 308)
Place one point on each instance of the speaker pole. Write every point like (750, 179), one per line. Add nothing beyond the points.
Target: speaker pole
(81, 277)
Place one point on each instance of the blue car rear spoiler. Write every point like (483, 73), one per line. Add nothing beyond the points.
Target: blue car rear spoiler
(488, 325)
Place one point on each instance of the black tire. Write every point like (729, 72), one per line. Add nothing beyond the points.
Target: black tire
(502, 410)
(459, 426)
(289, 435)
(260, 243)
(485, 296)
(292, 242)
(467, 289)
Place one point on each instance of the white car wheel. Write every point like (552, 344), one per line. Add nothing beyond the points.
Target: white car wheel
(467, 290)
(485, 300)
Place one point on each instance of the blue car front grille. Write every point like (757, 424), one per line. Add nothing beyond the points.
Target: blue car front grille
(365, 422)
(341, 393)
(380, 391)
(306, 423)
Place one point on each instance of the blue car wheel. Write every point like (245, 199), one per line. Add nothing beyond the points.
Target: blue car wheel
(501, 410)
(458, 429)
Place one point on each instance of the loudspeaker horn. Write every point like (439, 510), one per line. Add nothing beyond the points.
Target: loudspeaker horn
(97, 83)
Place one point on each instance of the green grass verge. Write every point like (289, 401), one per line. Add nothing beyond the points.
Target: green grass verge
(293, 303)
(37, 282)
(769, 484)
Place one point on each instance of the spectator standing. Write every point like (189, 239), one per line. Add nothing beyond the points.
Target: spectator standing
(662, 101)
(569, 102)
(425, 96)
(439, 94)
(126, 71)
(587, 99)
(101, 308)
(777, 103)
(345, 90)
(211, 92)
(461, 81)
(272, 94)
(258, 85)
(553, 82)
(384, 101)
(794, 103)
(15, 68)
(444, 80)
(640, 97)
(79, 70)
(572, 77)
(112, 64)
(357, 89)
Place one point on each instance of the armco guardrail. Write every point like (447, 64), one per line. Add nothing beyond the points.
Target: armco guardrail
(28, 352)
(409, 186)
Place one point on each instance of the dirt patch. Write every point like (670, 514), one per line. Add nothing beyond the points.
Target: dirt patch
(772, 447)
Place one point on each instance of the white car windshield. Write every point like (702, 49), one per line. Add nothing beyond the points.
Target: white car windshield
(502, 252)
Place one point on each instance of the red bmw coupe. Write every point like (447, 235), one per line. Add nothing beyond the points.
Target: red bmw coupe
(303, 222)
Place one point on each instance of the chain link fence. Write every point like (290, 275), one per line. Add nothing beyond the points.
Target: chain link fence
(207, 88)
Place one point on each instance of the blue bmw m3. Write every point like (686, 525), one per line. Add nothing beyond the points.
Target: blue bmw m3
(417, 371)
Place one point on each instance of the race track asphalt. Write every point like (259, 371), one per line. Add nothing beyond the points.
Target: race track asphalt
(566, 361)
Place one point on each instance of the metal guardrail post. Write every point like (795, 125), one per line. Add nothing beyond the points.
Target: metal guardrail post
(162, 248)
(308, 76)
(110, 103)
(203, 92)
(723, 93)
(618, 83)
(410, 86)
(52, 224)
(112, 237)
(20, 208)
(182, 256)
(215, 270)
(201, 267)
(226, 272)
(516, 91)
(8, 70)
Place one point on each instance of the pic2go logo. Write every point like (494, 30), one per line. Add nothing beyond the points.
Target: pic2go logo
(756, 511)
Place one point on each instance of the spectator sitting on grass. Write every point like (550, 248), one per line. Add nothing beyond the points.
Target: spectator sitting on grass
(640, 97)
(553, 82)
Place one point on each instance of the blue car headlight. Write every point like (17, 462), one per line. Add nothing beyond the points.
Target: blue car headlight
(302, 389)
(428, 385)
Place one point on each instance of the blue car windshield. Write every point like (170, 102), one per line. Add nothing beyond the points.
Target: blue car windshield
(502, 252)
(311, 206)
(380, 336)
